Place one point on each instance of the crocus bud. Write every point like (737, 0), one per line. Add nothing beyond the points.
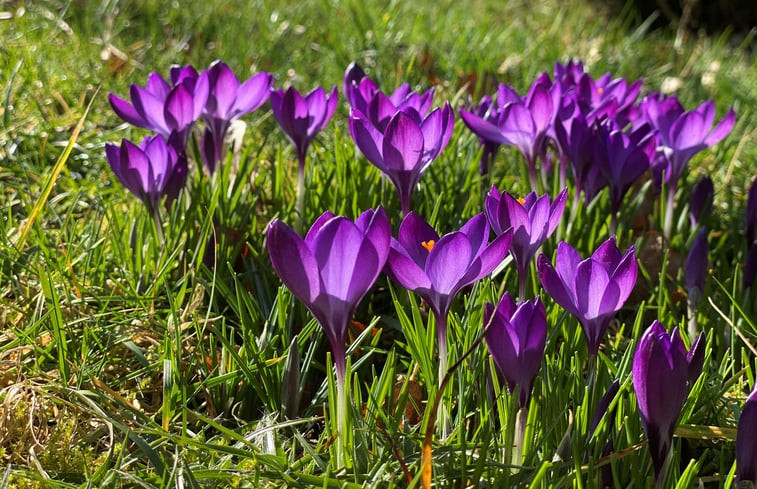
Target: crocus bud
(604, 403)
(516, 340)
(700, 202)
(751, 214)
(750, 266)
(746, 441)
(662, 372)
(150, 171)
(695, 270)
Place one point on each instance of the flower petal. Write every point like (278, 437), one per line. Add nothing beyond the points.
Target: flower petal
(448, 261)
(293, 262)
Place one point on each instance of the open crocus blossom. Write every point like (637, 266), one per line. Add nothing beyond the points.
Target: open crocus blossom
(663, 371)
(520, 123)
(332, 268)
(532, 219)
(486, 109)
(165, 108)
(365, 97)
(593, 290)
(150, 171)
(301, 118)
(746, 441)
(330, 271)
(437, 268)
(516, 340)
(227, 101)
(406, 148)
(680, 135)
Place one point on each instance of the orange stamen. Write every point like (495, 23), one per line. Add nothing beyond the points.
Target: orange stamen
(521, 200)
(429, 245)
(600, 90)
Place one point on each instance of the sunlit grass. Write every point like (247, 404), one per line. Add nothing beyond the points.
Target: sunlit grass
(154, 366)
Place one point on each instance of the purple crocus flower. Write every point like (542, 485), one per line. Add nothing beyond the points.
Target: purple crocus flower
(700, 201)
(489, 110)
(330, 271)
(516, 340)
(576, 138)
(365, 97)
(301, 118)
(332, 268)
(622, 158)
(746, 442)
(437, 268)
(353, 75)
(593, 290)
(532, 220)
(750, 266)
(407, 146)
(150, 171)
(680, 135)
(695, 271)
(569, 73)
(521, 123)
(227, 101)
(165, 108)
(486, 109)
(596, 96)
(662, 369)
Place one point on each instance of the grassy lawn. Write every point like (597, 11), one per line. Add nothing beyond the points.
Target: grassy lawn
(127, 360)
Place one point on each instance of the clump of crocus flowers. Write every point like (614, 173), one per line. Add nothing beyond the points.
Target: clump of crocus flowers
(593, 131)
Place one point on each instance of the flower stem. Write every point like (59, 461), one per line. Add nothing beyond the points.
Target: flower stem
(693, 327)
(522, 279)
(520, 435)
(613, 223)
(156, 219)
(300, 203)
(441, 334)
(341, 412)
(670, 204)
(663, 475)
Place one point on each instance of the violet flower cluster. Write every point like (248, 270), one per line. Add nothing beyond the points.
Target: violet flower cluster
(396, 133)
(598, 129)
(595, 127)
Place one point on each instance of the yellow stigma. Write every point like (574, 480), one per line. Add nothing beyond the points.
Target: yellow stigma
(600, 90)
(429, 245)
(521, 200)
